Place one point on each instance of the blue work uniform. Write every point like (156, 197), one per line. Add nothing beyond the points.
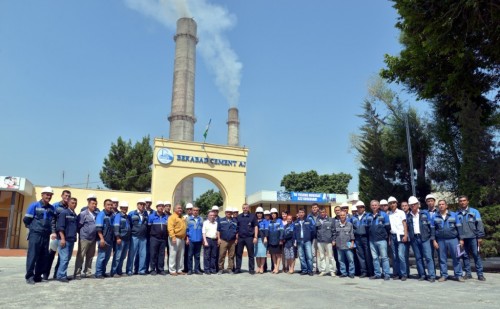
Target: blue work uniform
(104, 224)
(421, 242)
(472, 230)
(122, 230)
(66, 223)
(139, 230)
(447, 230)
(361, 225)
(304, 233)
(195, 236)
(157, 241)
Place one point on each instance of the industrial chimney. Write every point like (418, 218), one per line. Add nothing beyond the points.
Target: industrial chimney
(233, 127)
(182, 117)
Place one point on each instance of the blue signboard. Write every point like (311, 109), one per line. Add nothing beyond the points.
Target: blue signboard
(308, 197)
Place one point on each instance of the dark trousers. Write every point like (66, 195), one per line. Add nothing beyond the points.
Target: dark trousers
(38, 255)
(52, 255)
(210, 256)
(157, 254)
(248, 243)
(186, 258)
(337, 261)
(194, 251)
(364, 256)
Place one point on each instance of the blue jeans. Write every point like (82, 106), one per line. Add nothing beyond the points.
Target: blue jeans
(103, 255)
(305, 256)
(194, 251)
(64, 258)
(450, 245)
(470, 247)
(423, 253)
(119, 256)
(379, 253)
(137, 247)
(399, 257)
(346, 255)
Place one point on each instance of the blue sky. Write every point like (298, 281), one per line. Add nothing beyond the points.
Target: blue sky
(75, 75)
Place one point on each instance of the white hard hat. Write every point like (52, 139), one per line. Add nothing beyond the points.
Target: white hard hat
(215, 207)
(123, 204)
(392, 199)
(47, 190)
(229, 209)
(114, 199)
(259, 209)
(159, 203)
(383, 202)
(141, 201)
(274, 210)
(412, 200)
(360, 204)
(147, 199)
(91, 196)
(429, 196)
(353, 207)
(189, 206)
(167, 203)
(344, 205)
(235, 209)
(267, 212)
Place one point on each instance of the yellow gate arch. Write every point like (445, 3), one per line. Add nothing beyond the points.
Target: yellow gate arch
(175, 161)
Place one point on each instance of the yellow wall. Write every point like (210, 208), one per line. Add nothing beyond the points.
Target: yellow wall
(229, 179)
(81, 195)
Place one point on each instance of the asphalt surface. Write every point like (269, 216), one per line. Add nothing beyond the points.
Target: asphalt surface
(241, 291)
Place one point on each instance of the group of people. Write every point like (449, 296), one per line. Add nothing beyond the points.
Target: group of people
(325, 245)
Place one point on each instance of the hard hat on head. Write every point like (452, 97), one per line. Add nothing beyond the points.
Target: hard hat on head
(412, 200)
(91, 196)
(189, 206)
(159, 203)
(167, 203)
(353, 207)
(274, 210)
(360, 204)
(392, 199)
(141, 201)
(114, 199)
(383, 202)
(259, 209)
(215, 207)
(47, 190)
(344, 205)
(123, 204)
(429, 196)
(267, 212)
(147, 199)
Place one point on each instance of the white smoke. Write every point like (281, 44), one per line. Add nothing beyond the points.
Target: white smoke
(213, 20)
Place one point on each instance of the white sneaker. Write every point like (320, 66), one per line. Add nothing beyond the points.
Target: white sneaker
(333, 274)
(321, 274)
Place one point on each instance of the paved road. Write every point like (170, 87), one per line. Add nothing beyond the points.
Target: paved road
(241, 291)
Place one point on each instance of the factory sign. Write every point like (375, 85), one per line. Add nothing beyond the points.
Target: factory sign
(166, 156)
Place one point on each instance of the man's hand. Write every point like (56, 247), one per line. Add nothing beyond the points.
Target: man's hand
(254, 240)
(405, 238)
(236, 241)
(436, 245)
(219, 242)
(265, 240)
(62, 243)
(461, 243)
(205, 243)
(187, 241)
(102, 244)
(333, 243)
(352, 245)
(53, 236)
(479, 241)
(174, 241)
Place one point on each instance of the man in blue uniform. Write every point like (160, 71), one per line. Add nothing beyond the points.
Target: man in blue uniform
(419, 229)
(67, 227)
(194, 241)
(58, 208)
(360, 223)
(446, 230)
(106, 237)
(304, 233)
(473, 233)
(121, 227)
(379, 228)
(247, 237)
(40, 220)
(139, 224)
(157, 223)
(228, 238)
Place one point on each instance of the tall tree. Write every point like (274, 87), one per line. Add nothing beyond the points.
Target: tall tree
(451, 57)
(312, 182)
(207, 200)
(128, 167)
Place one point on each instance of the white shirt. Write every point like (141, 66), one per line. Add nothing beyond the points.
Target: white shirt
(396, 218)
(209, 229)
(416, 222)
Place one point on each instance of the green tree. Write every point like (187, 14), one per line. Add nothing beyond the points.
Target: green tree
(128, 167)
(312, 182)
(207, 200)
(451, 57)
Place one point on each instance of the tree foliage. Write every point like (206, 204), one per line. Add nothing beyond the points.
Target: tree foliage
(312, 182)
(382, 147)
(128, 167)
(207, 200)
(451, 57)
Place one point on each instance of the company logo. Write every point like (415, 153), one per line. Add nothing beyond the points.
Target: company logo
(165, 156)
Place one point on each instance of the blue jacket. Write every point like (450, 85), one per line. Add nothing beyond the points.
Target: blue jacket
(472, 225)
(67, 223)
(307, 229)
(379, 226)
(288, 235)
(361, 224)
(448, 228)
(121, 226)
(228, 228)
(104, 224)
(263, 228)
(40, 219)
(158, 225)
(424, 222)
(275, 232)
(194, 226)
(313, 219)
(59, 207)
(139, 226)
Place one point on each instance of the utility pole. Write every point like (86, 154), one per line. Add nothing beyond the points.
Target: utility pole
(410, 155)
(87, 186)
